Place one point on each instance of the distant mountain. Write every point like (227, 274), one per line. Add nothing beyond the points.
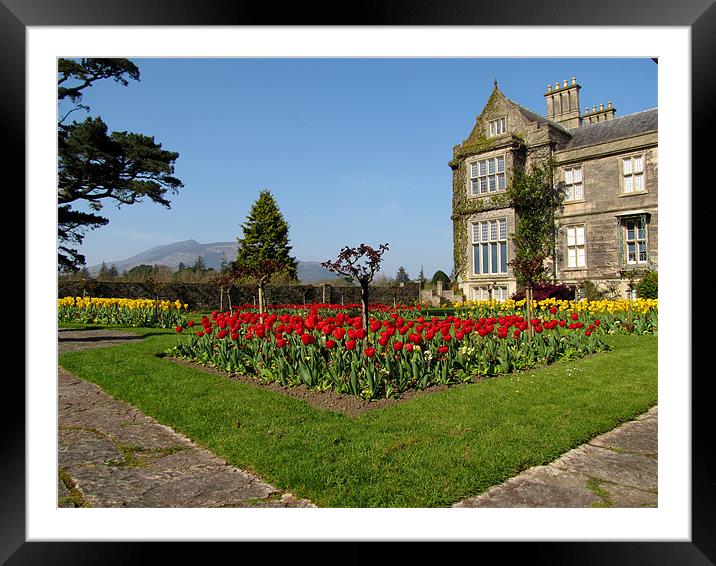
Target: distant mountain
(188, 251)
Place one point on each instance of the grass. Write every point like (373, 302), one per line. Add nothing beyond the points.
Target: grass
(429, 452)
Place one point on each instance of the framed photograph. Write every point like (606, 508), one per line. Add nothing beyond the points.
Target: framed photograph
(678, 40)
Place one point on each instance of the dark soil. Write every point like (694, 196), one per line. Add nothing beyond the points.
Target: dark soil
(328, 400)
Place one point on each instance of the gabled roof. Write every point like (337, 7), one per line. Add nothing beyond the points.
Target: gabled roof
(617, 128)
(534, 117)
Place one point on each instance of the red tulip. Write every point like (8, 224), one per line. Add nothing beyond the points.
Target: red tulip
(398, 346)
(330, 344)
(179, 329)
(443, 349)
(370, 352)
(351, 345)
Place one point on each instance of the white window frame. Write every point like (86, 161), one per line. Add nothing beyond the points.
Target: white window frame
(497, 127)
(500, 293)
(640, 224)
(574, 244)
(476, 175)
(570, 183)
(629, 173)
(484, 234)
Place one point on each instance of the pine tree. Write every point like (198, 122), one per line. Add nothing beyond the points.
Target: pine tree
(421, 276)
(264, 250)
(402, 276)
(199, 265)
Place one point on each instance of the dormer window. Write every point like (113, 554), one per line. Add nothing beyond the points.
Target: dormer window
(497, 127)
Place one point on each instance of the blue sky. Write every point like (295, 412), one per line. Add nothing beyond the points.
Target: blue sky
(354, 150)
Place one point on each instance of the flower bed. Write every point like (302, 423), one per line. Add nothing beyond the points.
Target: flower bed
(395, 354)
(613, 315)
(122, 312)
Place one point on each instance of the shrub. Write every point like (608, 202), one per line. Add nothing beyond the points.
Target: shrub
(542, 291)
(648, 287)
(441, 276)
(593, 292)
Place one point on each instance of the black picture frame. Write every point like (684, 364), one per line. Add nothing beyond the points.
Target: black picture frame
(698, 15)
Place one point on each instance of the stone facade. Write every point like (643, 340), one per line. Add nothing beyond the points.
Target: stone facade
(608, 228)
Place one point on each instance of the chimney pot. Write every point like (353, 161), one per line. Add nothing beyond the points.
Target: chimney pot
(556, 86)
(549, 88)
(601, 106)
(574, 80)
(609, 104)
(586, 110)
(594, 108)
(565, 82)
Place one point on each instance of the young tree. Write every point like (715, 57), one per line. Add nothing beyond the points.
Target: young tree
(96, 166)
(359, 264)
(264, 250)
(402, 276)
(536, 201)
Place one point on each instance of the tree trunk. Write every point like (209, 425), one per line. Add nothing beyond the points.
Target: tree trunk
(221, 299)
(364, 309)
(528, 297)
(261, 297)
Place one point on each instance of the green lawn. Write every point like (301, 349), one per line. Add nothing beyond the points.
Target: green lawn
(428, 452)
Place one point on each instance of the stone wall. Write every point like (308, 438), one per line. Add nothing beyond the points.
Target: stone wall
(203, 296)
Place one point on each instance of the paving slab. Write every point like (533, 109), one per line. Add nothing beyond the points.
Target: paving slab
(112, 455)
(633, 470)
(541, 486)
(615, 469)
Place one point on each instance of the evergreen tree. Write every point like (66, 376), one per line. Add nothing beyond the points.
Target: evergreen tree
(441, 276)
(421, 276)
(103, 271)
(264, 250)
(402, 276)
(97, 166)
(199, 265)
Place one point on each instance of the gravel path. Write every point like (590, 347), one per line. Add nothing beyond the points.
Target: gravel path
(112, 455)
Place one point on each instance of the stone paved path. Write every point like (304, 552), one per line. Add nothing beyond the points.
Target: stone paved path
(616, 469)
(112, 455)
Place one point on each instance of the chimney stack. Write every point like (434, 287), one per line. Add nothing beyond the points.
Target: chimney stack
(563, 103)
(601, 115)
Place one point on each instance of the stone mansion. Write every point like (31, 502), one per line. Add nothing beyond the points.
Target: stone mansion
(608, 167)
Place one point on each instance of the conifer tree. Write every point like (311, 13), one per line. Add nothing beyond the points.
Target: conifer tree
(264, 250)
(421, 276)
(402, 275)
